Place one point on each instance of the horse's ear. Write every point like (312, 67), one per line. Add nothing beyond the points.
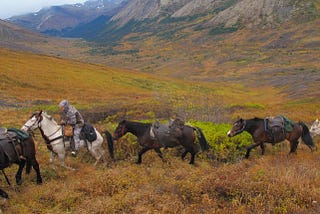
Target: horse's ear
(40, 112)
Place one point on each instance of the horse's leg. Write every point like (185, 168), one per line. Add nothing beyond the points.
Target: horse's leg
(52, 157)
(92, 149)
(193, 154)
(96, 154)
(28, 166)
(59, 150)
(184, 154)
(158, 151)
(36, 168)
(100, 150)
(19, 172)
(103, 154)
(263, 148)
(251, 147)
(142, 151)
(62, 163)
(62, 157)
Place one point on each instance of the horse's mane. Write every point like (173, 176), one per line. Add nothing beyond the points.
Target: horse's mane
(257, 118)
(45, 114)
(135, 123)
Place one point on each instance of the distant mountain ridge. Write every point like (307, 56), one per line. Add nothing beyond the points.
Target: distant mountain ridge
(54, 19)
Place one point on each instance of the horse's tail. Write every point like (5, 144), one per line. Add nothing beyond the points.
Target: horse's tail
(306, 136)
(28, 166)
(110, 143)
(202, 139)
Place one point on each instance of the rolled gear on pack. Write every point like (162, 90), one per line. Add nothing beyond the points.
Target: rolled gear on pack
(88, 132)
(167, 134)
(277, 127)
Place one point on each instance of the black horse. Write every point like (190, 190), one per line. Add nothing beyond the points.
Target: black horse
(17, 147)
(147, 141)
(260, 134)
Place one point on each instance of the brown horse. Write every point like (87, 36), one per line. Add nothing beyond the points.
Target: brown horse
(17, 147)
(148, 142)
(256, 128)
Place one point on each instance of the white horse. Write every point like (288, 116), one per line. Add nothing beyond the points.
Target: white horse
(315, 128)
(52, 134)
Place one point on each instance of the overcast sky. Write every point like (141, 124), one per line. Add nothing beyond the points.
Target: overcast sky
(10, 8)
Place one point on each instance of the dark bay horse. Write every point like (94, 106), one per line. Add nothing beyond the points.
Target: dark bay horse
(142, 132)
(256, 128)
(17, 147)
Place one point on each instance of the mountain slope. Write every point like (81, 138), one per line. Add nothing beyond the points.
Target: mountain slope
(264, 13)
(139, 10)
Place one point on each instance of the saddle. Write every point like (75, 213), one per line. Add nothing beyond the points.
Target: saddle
(277, 127)
(10, 144)
(167, 134)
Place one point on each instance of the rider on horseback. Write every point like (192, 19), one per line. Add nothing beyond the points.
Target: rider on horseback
(71, 116)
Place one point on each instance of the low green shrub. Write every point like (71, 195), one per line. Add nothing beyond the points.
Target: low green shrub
(223, 148)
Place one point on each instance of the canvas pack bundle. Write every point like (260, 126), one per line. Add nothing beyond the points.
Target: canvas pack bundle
(68, 130)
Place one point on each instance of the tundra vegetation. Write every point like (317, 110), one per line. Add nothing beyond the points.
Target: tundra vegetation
(222, 181)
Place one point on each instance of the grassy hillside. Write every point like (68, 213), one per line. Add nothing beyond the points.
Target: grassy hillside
(274, 183)
(30, 82)
(284, 58)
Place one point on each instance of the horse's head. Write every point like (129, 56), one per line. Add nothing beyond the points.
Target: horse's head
(33, 122)
(315, 128)
(237, 127)
(120, 130)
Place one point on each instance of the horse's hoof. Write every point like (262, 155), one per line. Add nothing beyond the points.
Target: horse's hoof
(4, 194)
(39, 181)
(19, 181)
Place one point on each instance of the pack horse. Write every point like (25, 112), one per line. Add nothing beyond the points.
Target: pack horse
(273, 130)
(156, 136)
(17, 147)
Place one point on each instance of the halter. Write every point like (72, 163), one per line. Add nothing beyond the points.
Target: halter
(122, 130)
(241, 130)
(37, 121)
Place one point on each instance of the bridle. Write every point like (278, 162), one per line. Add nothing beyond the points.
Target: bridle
(33, 124)
(122, 132)
(241, 129)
